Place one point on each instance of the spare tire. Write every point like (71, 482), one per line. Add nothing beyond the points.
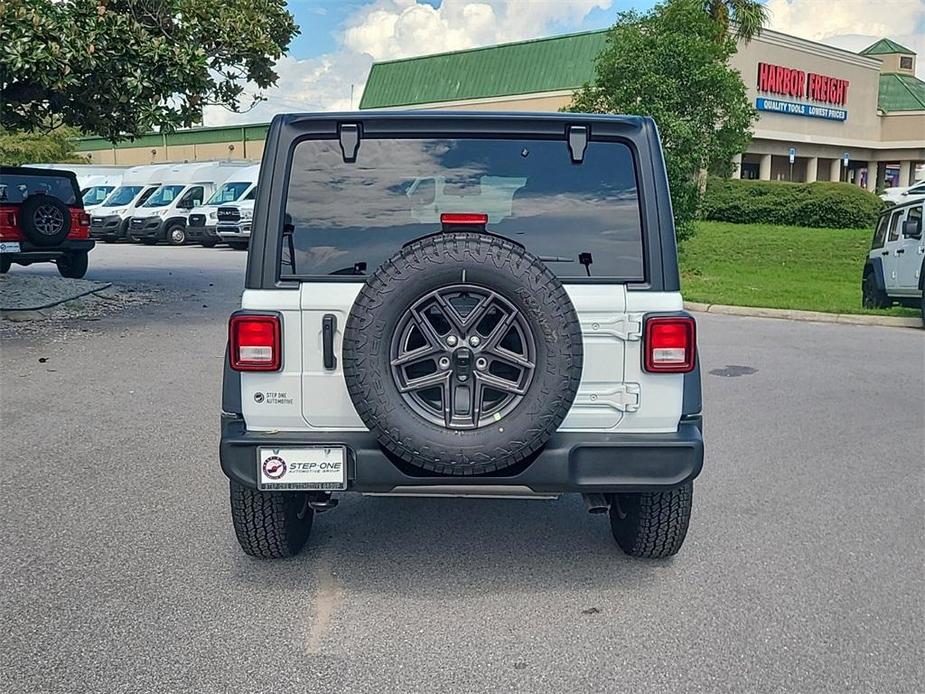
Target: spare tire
(462, 353)
(44, 220)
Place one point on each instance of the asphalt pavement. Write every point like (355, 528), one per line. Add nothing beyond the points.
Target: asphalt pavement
(804, 568)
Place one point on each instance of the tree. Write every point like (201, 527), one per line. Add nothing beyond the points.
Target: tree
(748, 16)
(670, 64)
(31, 147)
(117, 68)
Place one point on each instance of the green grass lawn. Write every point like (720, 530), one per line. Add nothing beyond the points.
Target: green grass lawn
(778, 267)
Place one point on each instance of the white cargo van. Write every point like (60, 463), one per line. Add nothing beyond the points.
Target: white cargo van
(241, 187)
(164, 215)
(89, 175)
(109, 222)
(99, 188)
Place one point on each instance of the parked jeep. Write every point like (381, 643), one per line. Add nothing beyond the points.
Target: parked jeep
(895, 267)
(462, 304)
(42, 219)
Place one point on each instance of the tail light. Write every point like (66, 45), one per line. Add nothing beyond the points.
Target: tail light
(670, 344)
(255, 342)
(464, 218)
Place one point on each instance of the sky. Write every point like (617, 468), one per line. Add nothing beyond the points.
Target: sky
(339, 40)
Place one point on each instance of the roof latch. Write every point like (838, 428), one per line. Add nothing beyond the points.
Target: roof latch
(577, 142)
(349, 141)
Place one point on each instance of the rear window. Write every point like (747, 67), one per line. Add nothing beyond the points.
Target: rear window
(14, 188)
(349, 218)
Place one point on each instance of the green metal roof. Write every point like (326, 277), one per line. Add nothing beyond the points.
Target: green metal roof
(527, 67)
(899, 92)
(885, 47)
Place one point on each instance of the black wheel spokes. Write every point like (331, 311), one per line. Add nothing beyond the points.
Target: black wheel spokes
(48, 220)
(463, 356)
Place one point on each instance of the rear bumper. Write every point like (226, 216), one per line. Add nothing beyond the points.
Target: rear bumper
(570, 462)
(28, 251)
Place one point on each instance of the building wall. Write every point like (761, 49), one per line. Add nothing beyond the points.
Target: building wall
(908, 126)
(862, 73)
(133, 156)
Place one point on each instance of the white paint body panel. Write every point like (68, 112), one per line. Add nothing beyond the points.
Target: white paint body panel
(614, 394)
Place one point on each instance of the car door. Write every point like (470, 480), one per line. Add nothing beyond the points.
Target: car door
(910, 253)
(892, 250)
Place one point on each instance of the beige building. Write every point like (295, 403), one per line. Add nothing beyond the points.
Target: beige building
(844, 116)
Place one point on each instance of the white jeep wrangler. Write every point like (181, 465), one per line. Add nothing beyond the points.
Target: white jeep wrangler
(895, 267)
(449, 304)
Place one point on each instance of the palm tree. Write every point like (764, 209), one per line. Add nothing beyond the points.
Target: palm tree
(748, 16)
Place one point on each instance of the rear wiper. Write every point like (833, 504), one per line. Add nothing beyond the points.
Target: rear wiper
(583, 258)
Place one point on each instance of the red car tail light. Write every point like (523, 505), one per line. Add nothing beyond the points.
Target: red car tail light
(473, 218)
(670, 344)
(255, 341)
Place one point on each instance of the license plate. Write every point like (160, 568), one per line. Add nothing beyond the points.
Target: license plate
(315, 467)
(9, 246)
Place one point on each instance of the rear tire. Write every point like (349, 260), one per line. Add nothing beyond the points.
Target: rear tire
(208, 243)
(238, 245)
(270, 525)
(73, 265)
(651, 525)
(109, 239)
(871, 295)
(149, 241)
(5, 265)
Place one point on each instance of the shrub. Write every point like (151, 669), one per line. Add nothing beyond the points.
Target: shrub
(820, 204)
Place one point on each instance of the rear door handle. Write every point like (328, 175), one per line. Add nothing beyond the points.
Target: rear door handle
(328, 328)
(884, 252)
(900, 251)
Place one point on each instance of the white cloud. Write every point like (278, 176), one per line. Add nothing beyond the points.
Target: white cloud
(853, 24)
(387, 29)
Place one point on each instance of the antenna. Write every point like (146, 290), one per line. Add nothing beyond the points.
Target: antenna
(351, 96)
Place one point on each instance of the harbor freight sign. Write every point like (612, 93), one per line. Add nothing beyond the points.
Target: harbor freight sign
(827, 92)
(792, 108)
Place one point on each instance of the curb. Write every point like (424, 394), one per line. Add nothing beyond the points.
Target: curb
(808, 316)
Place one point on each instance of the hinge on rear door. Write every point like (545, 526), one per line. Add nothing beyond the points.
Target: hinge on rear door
(626, 397)
(619, 396)
(349, 136)
(627, 327)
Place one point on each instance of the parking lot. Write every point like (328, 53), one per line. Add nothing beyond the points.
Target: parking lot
(803, 569)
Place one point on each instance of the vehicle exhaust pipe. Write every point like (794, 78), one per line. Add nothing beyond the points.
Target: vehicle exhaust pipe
(596, 503)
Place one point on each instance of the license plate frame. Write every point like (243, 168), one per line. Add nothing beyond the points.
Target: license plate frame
(302, 468)
(10, 247)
